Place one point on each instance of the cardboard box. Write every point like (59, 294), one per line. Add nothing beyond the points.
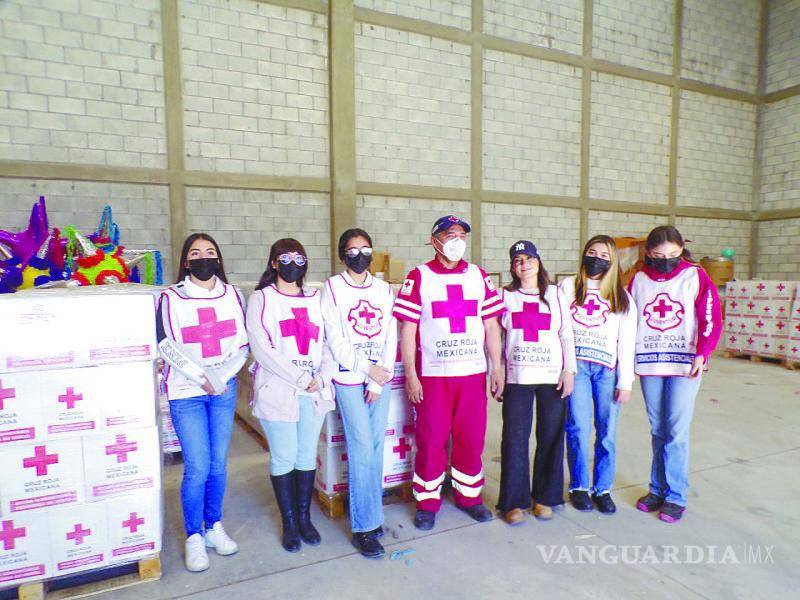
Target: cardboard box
(41, 475)
(78, 538)
(60, 328)
(331, 469)
(121, 462)
(128, 395)
(24, 549)
(399, 450)
(332, 433)
(20, 409)
(70, 401)
(134, 526)
(169, 437)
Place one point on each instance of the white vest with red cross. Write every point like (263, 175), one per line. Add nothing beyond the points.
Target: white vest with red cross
(451, 333)
(533, 349)
(295, 326)
(666, 336)
(209, 330)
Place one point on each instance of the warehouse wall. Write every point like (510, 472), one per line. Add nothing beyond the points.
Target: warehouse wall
(551, 120)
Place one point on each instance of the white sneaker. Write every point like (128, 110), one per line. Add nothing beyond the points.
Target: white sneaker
(217, 538)
(196, 557)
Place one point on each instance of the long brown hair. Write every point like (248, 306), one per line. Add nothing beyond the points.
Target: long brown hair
(542, 281)
(611, 288)
(282, 246)
(668, 233)
(183, 272)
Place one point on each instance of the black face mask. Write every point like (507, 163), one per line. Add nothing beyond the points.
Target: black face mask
(358, 263)
(204, 268)
(663, 265)
(595, 265)
(291, 272)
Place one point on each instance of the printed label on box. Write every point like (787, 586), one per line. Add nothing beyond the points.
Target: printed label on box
(20, 408)
(24, 549)
(70, 402)
(78, 538)
(134, 526)
(127, 395)
(119, 463)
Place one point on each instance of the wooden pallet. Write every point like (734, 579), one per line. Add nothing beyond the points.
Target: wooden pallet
(333, 506)
(76, 586)
(772, 360)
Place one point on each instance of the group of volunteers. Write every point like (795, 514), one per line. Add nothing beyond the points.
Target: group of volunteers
(572, 350)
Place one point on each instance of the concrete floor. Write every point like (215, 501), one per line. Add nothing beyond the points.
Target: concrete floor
(745, 489)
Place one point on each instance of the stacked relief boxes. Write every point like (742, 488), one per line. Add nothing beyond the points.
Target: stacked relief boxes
(79, 446)
(398, 449)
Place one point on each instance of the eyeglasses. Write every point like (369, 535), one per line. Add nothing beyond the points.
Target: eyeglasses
(290, 257)
(353, 252)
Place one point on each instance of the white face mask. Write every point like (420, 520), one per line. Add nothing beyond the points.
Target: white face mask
(454, 249)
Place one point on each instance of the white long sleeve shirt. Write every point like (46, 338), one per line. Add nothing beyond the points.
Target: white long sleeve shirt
(539, 340)
(360, 329)
(601, 336)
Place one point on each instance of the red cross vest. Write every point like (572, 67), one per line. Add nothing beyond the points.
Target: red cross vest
(295, 326)
(533, 350)
(666, 336)
(451, 334)
(210, 331)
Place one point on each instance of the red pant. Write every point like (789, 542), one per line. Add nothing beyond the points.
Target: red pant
(454, 405)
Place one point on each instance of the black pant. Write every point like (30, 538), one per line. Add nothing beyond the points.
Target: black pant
(548, 462)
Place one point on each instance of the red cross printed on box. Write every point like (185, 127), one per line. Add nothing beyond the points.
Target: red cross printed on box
(795, 350)
(9, 534)
(766, 345)
(455, 309)
(761, 287)
(121, 448)
(6, 394)
(732, 339)
(782, 309)
(402, 448)
(40, 460)
(750, 341)
(751, 305)
(760, 324)
(780, 325)
(70, 398)
(781, 287)
(133, 522)
(78, 533)
(301, 328)
(797, 327)
(742, 325)
(734, 304)
(781, 347)
(767, 309)
(531, 321)
(208, 332)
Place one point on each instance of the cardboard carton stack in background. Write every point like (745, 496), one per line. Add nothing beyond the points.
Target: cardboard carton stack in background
(79, 446)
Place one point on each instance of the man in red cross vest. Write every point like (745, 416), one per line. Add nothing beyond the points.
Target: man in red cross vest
(449, 309)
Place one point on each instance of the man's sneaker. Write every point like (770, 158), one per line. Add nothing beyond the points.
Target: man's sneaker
(217, 538)
(424, 520)
(580, 499)
(196, 557)
(649, 503)
(604, 503)
(478, 512)
(671, 512)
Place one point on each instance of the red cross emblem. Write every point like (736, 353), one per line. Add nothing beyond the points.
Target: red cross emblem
(208, 332)
(663, 313)
(301, 328)
(78, 533)
(531, 321)
(365, 319)
(70, 398)
(781, 287)
(133, 522)
(455, 309)
(402, 448)
(593, 313)
(40, 460)
(9, 534)
(121, 448)
(6, 394)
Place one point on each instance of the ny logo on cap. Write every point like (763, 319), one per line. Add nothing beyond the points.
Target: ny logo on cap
(520, 246)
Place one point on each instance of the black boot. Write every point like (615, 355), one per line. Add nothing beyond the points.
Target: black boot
(284, 486)
(305, 488)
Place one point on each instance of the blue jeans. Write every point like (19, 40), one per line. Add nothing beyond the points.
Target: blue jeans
(593, 395)
(293, 444)
(365, 432)
(670, 405)
(204, 425)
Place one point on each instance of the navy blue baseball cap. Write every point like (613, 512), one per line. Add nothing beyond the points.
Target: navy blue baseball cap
(445, 223)
(523, 247)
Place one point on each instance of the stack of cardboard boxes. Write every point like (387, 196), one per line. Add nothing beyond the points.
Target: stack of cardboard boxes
(79, 442)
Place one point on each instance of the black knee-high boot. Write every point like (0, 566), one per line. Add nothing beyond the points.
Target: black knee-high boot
(305, 489)
(284, 486)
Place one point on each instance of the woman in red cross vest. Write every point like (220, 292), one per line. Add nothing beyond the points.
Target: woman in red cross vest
(679, 326)
(292, 387)
(540, 366)
(203, 342)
